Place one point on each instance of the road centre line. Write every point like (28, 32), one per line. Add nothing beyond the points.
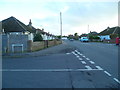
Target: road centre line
(92, 62)
(81, 54)
(74, 53)
(77, 52)
(88, 67)
(83, 62)
(84, 56)
(80, 58)
(98, 67)
(107, 73)
(77, 56)
(46, 70)
(87, 58)
(116, 80)
(68, 53)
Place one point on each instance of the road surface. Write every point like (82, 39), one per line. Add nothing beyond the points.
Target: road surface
(72, 64)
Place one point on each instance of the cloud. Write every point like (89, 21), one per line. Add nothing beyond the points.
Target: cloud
(65, 9)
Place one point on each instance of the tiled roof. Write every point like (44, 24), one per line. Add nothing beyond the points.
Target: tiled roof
(12, 24)
(113, 30)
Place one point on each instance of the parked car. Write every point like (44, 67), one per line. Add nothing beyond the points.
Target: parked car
(71, 39)
(84, 39)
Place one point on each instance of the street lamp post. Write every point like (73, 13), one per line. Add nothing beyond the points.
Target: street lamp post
(61, 24)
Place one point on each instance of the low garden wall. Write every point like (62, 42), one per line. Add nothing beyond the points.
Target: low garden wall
(35, 46)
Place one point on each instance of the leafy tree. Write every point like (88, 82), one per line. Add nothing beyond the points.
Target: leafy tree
(94, 37)
(59, 37)
(76, 34)
(38, 37)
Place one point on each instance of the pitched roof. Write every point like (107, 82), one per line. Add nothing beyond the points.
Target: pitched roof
(108, 31)
(12, 24)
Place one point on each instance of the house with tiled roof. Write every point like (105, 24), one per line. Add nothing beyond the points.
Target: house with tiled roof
(45, 35)
(12, 25)
(110, 33)
(15, 34)
(113, 30)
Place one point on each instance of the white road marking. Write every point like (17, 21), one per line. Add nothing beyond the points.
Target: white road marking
(77, 56)
(46, 70)
(83, 62)
(81, 54)
(88, 67)
(92, 62)
(80, 59)
(116, 80)
(67, 53)
(87, 58)
(107, 73)
(84, 56)
(78, 52)
(74, 53)
(98, 67)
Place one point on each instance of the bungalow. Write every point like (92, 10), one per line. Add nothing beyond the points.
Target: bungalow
(13, 26)
(45, 35)
(109, 33)
(15, 35)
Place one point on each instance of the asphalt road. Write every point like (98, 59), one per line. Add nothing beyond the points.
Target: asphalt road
(72, 64)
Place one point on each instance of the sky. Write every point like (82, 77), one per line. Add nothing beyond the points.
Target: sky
(78, 16)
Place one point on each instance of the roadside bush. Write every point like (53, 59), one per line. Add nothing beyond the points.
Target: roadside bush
(94, 37)
(38, 37)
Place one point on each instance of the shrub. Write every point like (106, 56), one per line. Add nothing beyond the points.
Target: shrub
(38, 37)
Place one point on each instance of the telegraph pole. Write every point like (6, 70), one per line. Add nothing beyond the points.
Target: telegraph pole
(88, 32)
(61, 24)
(88, 28)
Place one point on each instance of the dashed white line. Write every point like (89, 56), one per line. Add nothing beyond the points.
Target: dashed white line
(92, 62)
(87, 58)
(77, 56)
(84, 56)
(107, 73)
(75, 50)
(98, 67)
(83, 62)
(81, 54)
(74, 53)
(67, 53)
(78, 52)
(88, 67)
(80, 58)
(116, 80)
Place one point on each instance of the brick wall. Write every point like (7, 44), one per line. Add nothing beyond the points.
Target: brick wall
(35, 46)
